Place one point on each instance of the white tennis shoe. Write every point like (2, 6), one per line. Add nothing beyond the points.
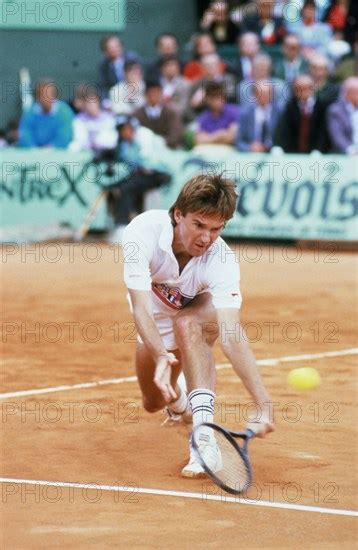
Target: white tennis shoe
(211, 455)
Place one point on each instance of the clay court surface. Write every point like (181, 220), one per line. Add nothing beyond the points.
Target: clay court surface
(100, 461)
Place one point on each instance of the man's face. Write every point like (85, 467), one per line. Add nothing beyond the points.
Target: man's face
(92, 106)
(303, 88)
(46, 95)
(249, 45)
(215, 103)
(212, 66)
(205, 45)
(113, 48)
(167, 46)
(134, 74)
(291, 48)
(263, 95)
(127, 132)
(318, 69)
(154, 96)
(171, 69)
(196, 232)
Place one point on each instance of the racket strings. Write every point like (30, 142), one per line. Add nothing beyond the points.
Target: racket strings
(234, 472)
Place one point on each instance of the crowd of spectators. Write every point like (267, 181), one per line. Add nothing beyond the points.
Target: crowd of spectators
(254, 79)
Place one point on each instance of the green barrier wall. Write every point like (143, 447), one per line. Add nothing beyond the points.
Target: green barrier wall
(81, 15)
(283, 197)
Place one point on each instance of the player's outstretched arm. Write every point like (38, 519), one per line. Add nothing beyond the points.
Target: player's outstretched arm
(144, 320)
(236, 348)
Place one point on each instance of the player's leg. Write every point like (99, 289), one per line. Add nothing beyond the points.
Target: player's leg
(153, 400)
(196, 331)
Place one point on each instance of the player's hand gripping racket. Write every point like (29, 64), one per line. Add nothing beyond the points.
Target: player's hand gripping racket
(235, 472)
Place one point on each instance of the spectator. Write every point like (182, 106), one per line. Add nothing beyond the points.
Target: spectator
(111, 68)
(219, 123)
(203, 45)
(213, 73)
(128, 95)
(292, 63)
(302, 124)
(313, 35)
(325, 89)
(3, 141)
(258, 120)
(261, 70)
(94, 128)
(264, 23)
(342, 119)
(48, 122)
(336, 17)
(216, 20)
(166, 45)
(176, 89)
(162, 119)
(248, 48)
(138, 147)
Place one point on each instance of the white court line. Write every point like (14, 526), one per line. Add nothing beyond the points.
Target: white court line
(263, 362)
(183, 494)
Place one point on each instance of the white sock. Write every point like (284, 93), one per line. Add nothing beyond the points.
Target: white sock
(202, 402)
(180, 405)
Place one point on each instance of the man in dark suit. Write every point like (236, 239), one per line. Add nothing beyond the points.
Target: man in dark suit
(292, 63)
(111, 68)
(302, 125)
(342, 119)
(166, 45)
(162, 119)
(258, 120)
(249, 47)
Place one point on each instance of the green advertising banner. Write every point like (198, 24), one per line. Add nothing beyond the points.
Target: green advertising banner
(288, 196)
(281, 197)
(76, 15)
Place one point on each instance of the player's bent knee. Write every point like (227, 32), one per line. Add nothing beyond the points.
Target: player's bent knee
(185, 325)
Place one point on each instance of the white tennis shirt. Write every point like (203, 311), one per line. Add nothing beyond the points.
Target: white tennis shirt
(150, 264)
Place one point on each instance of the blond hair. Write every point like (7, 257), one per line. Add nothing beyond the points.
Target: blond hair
(208, 195)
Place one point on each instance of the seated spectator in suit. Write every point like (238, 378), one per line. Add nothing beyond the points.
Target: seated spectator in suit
(302, 125)
(342, 119)
(166, 44)
(203, 45)
(325, 89)
(128, 95)
(248, 48)
(213, 73)
(216, 20)
(261, 70)
(176, 90)
(111, 67)
(219, 123)
(162, 119)
(264, 23)
(93, 128)
(292, 63)
(314, 36)
(258, 120)
(48, 122)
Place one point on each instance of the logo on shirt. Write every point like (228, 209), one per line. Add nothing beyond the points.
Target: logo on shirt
(171, 296)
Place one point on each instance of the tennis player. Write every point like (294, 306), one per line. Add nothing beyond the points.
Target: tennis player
(183, 283)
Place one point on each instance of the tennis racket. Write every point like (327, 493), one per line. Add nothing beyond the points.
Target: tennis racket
(235, 474)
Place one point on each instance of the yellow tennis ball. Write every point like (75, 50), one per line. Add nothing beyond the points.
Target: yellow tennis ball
(304, 378)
